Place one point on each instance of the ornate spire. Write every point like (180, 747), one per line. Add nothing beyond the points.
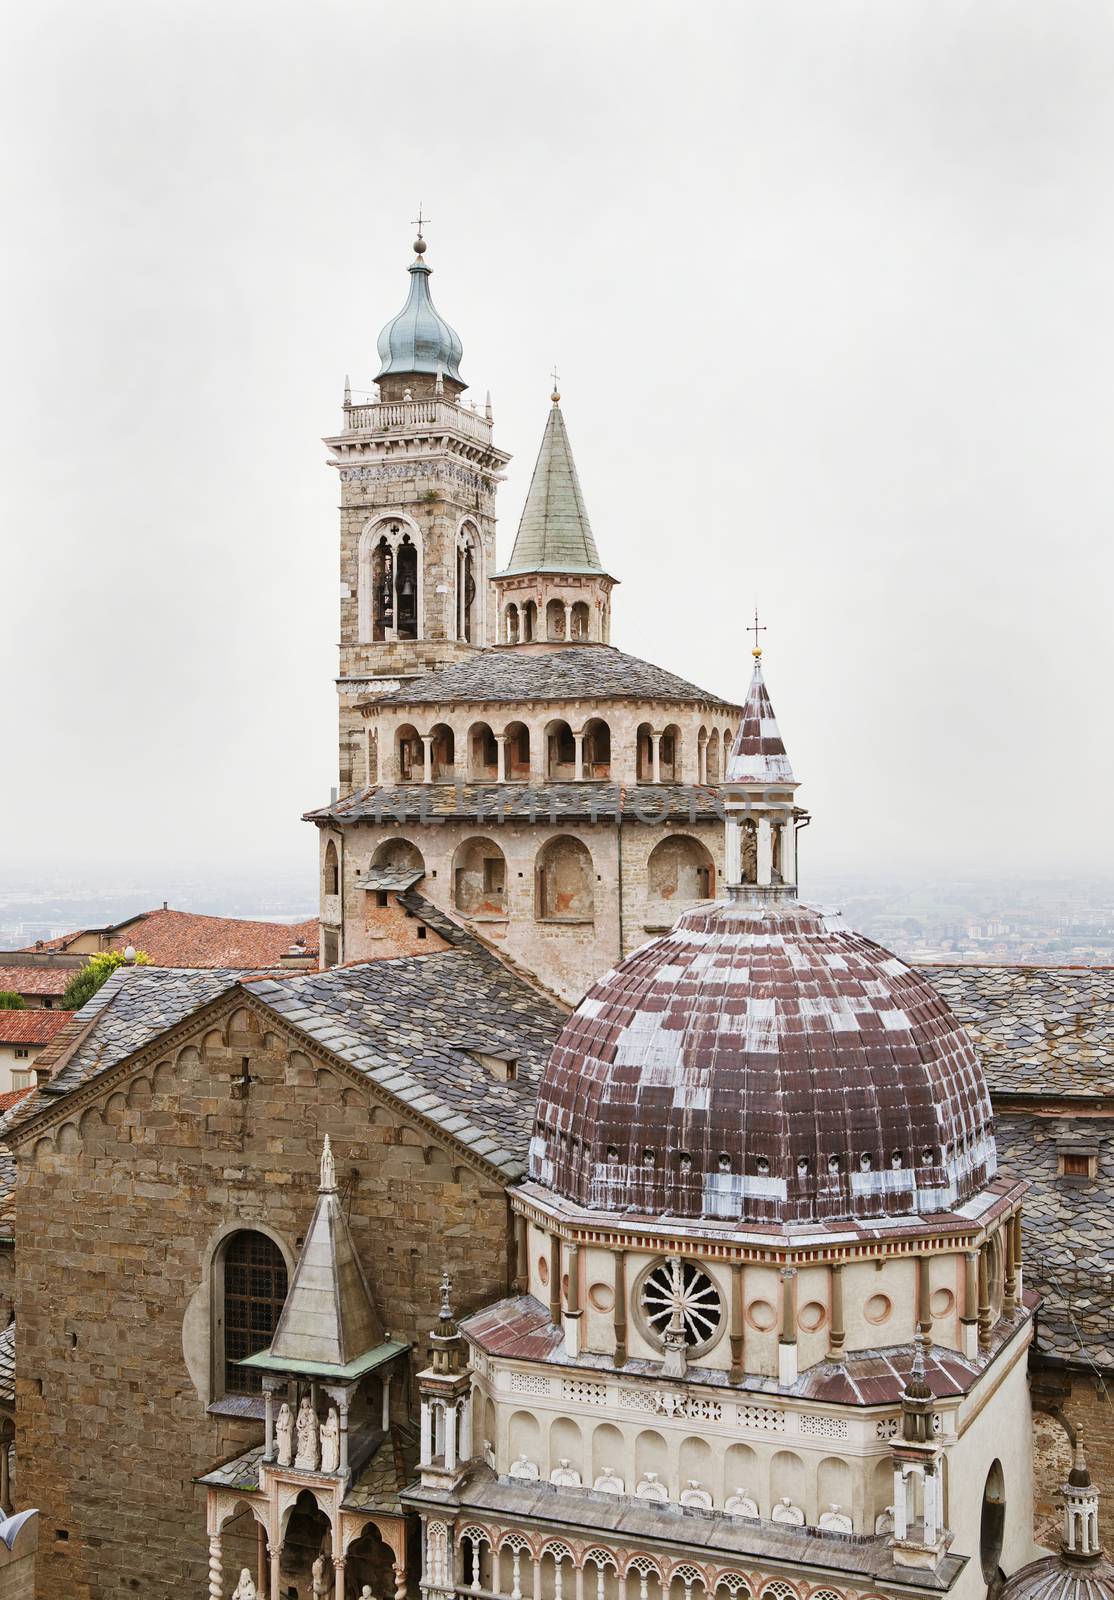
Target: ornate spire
(1081, 1511)
(445, 1338)
(758, 754)
(554, 534)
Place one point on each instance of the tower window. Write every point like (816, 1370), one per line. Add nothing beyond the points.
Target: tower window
(254, 1294)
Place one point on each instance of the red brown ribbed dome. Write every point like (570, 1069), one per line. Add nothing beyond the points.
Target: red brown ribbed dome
(763, 1062)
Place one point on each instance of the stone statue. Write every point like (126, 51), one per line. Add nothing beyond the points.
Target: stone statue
(365, 1592)
(750, 853)
(307, 1426)
(245, 1589)
(320, 1582)
(284, 1433)
(328, 1167)
(330, 1441)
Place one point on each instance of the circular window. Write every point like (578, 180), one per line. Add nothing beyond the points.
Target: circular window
(877, 1308)
(942, 1302)
(543, 1269)
(680, 1289)
(602, 1296)
(811, 1316)
(761, 1315)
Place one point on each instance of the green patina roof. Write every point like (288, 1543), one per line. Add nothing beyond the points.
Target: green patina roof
(554, 534)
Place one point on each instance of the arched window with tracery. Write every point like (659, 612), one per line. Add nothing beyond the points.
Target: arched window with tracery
(253, 1290)
(389, 583)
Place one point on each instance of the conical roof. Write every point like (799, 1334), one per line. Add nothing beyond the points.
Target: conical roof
(554, 534)
(419, 339)
(329, 1317)
(758, 754)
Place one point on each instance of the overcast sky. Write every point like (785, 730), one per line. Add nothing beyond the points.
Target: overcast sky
(829, 288)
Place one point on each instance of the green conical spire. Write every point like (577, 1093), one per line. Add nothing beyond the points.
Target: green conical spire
(554, 534)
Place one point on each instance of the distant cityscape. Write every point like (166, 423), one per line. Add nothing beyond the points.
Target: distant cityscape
(1058, 921)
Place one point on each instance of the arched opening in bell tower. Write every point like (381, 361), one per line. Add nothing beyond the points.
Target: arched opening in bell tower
(467, 585)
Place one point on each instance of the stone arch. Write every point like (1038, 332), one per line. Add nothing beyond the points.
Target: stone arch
(409, 754)
(601, 1571)
(187, 1063)
(139, 1093)
(390, 579)
(566, 1443)
(608, 1451)
(516, 761)
(741, 1474)
(398, 853)
(581, 620)
(331, 869)
(529, 622)
(480, 878)
(670, 753)
(69, 1139)
(644, 753)
(44, 1149)
(213, 1270)
(483, 753)
(560, 751)
(555, 620)
(834, 1487)
(882, 1490)
(478, 1555)
(597, 748)
(651, 1454)
(787, 1479)
(680, 872)
(712, 754)
(470, 587)
(442, 753)
(524, 1438)
(115, 1107)
(225, 1512)
(685, 1581)
(697, 1465)
(163, 1079)
(564, 881)
(511, 623)
(370, 1561)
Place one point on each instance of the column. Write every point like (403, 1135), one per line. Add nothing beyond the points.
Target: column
(578, 1582)
(789, 851)
(500, 758)
(568, 619)
(555, 1280)
(984, 1297)
(516, 1574)
(385, 1383)
(466, 1429)
(450, 1415)
(521, 1255)
(572, 1302)
(438, 1428)
(342, 1441)
(655, 758)
(367, 758)
(427, 758)
(931, 1482)
(276, 1571)
(1017, 1268)
(619, 1258)
(787, 1343)
(702, 761)
(268, 1421)
(216, 1568)
(969, 1321)
(578, 769)
(765, 850)
(924, 1301)
(537, 1578)
(339, 1564)
(837, 1332)
(901, 1526)
(261, 1559)
(426, 1449)
(733, 850)
(736, 1324)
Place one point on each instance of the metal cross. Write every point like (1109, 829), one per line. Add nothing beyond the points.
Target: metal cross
(419, 221)
(556, 379)
(756, 628)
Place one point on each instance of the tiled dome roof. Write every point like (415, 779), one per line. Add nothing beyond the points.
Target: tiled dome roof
(1060, 1577)
(763, 1062)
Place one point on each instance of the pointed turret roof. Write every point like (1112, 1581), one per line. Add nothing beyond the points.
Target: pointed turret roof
(758, 754)
(329, 1317)
(554, 534)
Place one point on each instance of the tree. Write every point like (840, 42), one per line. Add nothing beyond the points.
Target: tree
(10, 1001)
(85, 983)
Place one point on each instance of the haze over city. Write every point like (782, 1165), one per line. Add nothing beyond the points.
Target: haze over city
(827, 290)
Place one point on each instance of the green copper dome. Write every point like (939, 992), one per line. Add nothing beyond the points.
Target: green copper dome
(419, 339)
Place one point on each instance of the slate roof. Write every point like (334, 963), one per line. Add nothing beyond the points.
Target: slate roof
(393, 1464)
(7, 1365)
(570, 672)
(410, 1024)
(554, 534)
(189, 939)
(758, 754)
(512, 802)
(1040, 1030)
(1068, 1244)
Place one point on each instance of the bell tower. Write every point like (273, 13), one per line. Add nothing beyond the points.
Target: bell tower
(418, 474)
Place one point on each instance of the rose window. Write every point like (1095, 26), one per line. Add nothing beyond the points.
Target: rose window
(681, 1295)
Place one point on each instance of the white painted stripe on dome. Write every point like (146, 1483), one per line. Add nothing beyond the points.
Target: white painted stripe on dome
(835, 961)
(895, 1021)
(762, 1024)
(768, 728)
(893, 968)
(692, 1097)
(589, 1007)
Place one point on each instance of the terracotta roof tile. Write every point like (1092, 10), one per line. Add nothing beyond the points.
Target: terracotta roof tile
(31, 1026)
(35, 980)
(190, 939)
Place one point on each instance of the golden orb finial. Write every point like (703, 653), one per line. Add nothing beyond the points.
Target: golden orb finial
(556, 395)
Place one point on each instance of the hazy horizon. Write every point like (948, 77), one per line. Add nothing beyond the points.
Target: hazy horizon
(827, 285)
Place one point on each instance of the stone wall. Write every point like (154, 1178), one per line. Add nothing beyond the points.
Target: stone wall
(1089, 1408)
(122, 1208)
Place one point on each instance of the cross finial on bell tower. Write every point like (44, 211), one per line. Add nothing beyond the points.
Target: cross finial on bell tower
(419, 222)
(756, 628)
(556, 395)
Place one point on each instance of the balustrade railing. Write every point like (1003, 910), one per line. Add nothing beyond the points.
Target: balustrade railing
(386, 416)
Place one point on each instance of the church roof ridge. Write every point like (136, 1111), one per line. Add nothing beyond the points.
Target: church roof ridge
(554, 533)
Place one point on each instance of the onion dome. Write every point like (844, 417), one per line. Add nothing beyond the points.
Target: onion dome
(419, 339)
(763, 1063)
